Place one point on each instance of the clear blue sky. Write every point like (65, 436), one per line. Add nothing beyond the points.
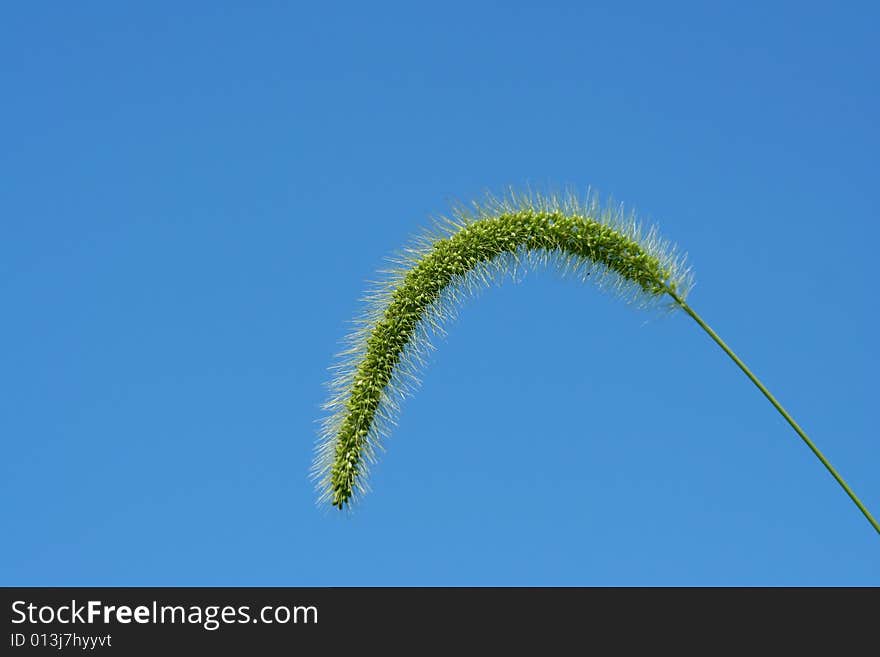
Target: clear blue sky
(193, 196)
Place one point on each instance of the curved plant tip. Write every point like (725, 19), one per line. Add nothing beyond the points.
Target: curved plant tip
(499, 238)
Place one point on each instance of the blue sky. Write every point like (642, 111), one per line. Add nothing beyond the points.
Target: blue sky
(193, 197)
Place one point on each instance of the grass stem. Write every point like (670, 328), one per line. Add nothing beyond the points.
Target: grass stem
(794, 425)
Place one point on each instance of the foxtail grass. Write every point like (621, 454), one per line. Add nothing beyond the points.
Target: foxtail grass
(462, 253)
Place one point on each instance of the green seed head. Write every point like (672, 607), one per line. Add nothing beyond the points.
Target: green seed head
(499, 238)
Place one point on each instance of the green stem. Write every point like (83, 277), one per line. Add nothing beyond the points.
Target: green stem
(778, 407)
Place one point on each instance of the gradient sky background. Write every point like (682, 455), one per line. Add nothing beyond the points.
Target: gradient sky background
(193, 196)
